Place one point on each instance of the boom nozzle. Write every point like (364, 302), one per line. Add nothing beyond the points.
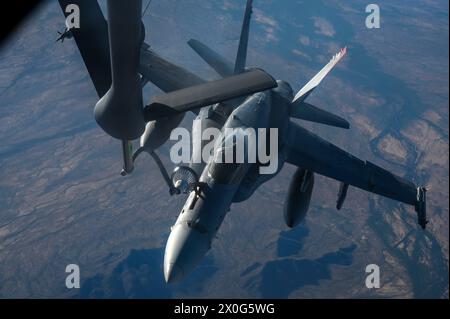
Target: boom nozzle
(120, 111)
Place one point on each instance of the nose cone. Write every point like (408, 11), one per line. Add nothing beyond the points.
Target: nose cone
(172, 273)
(185, 248)
(195, 228)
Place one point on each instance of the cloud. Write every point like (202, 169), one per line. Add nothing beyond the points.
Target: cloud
(269, 24)
(304, 40)
(301, 54)
(227, 5)
(271, 35)
(323, 27)
(261, 18)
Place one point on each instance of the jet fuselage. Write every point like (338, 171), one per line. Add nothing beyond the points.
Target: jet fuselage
(223, 183)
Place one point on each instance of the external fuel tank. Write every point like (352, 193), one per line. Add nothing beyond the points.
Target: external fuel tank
(298, 197)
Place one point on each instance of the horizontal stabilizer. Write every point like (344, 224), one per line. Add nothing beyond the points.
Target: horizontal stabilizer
(220, 64)
(208, 93)
(311, 113)
(315, 81)
(164, 74)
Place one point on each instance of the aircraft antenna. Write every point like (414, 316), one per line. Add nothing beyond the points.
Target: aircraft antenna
(146, 7)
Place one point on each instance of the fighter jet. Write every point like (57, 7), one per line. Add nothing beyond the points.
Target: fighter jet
(120, 63)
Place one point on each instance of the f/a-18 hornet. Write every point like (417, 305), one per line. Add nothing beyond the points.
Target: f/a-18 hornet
(120, 63)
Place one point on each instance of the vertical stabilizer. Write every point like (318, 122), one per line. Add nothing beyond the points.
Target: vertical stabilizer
(241, 56)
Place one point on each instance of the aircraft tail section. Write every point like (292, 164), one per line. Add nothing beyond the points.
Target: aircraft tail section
(241, 57)
(164, 74)
(315, 81)
(220, 64)
(305, 111)
(311, 113)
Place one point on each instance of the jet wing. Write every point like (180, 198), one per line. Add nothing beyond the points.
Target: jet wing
(311, 152)
(92, 41)
(164, 74)
(209, 93)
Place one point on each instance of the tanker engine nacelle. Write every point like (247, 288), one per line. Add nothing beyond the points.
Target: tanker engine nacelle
(299, 195)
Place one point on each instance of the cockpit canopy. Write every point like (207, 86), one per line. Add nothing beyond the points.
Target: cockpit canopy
(233, 153)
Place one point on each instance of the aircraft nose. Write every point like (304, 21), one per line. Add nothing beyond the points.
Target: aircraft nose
(185, 249)
(173, 273)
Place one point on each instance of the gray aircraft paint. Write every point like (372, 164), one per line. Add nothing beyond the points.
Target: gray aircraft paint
(221, 184)
(119, 111)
